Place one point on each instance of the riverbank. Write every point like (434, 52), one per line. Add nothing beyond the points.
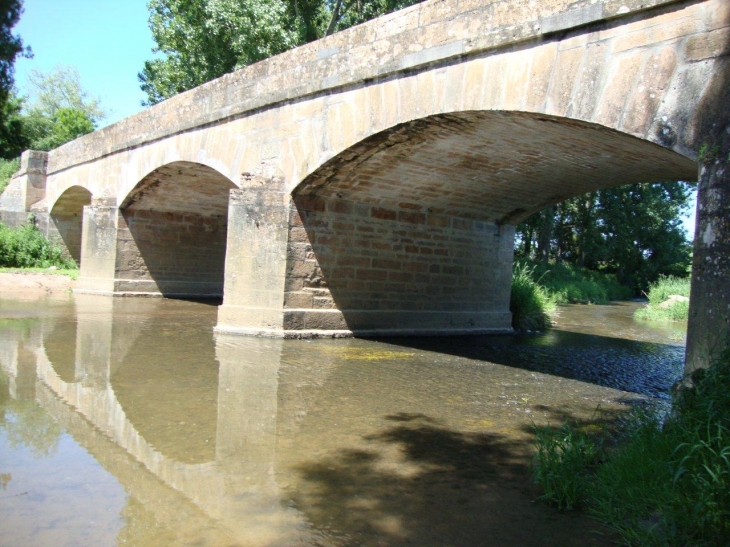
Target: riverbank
(30, 281)
(668, 300)
(539, 287)
(657, 481)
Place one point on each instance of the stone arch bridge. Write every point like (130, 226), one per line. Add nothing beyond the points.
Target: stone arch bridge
(370, 182)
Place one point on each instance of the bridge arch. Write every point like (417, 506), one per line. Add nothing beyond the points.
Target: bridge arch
(411, 230)
(66, 220)
(171, 238)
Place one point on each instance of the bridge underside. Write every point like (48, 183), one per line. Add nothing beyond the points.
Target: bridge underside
(63, 225)
(411, 231)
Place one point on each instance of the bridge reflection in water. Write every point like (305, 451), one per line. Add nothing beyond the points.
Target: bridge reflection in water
(239, 441)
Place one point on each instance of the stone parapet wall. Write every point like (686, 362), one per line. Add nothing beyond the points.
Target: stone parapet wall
(432, 32)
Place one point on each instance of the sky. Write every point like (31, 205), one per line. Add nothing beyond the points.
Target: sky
(108, 41)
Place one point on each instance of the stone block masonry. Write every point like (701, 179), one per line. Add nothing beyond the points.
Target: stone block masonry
(171, 253)
(371, 269)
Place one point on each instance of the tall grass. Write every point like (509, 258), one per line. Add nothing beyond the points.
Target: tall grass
(26, 247)
(563, 456)
(537, 289)
(659, 307)
(663, 484)
(570, 284)
(530, 303)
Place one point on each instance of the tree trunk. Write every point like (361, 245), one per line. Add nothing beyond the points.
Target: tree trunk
(546, 234)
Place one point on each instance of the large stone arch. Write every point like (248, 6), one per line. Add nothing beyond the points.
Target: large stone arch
(411, 230)
(490, 165)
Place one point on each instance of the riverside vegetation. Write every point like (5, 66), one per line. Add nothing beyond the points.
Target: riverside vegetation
(26, 247)
(657, 482)
(668, 300)
(539, 287)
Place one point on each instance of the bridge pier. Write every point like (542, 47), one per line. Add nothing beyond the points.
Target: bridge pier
(98, 248)
(255, 270)
(325, 267)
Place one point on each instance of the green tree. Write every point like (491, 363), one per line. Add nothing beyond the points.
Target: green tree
(61, 89)
(634, 231)
(66, 124)
(60, 109)
(200, 40)
(204, 39)
(12, 138)
(11, 46)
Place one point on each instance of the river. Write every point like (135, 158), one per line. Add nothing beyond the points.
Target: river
(128, 422)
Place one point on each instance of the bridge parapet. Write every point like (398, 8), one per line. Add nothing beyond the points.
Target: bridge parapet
(26, 188)
(420, 36)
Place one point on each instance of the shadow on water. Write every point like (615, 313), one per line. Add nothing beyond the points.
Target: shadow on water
(452, 488)
(208, 301)
(599, 355)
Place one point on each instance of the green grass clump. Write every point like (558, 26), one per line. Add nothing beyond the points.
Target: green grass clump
(570, 284)
(530, 302)
(659, 293)
(538, 287)
(662, 484)
(563, 456)
(26, 247)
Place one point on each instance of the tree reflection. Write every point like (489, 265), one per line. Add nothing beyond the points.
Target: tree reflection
(26, 424)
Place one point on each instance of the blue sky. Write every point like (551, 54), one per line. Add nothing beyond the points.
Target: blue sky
(108, 41)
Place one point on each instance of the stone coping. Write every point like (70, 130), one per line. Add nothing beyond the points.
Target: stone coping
(419, 36)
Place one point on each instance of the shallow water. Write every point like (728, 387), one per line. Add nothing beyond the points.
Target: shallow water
(127, 422)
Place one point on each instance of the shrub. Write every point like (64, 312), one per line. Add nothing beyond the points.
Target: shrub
(26, 247)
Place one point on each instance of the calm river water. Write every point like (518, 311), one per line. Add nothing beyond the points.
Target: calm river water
(128, 422)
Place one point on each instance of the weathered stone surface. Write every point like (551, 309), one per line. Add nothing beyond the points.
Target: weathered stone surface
(391, 270)
(708, 330)
(449, 115)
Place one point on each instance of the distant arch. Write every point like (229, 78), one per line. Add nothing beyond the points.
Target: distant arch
(66, 219)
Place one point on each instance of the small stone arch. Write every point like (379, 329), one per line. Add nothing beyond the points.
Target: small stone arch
(66, 220)
(172, 232)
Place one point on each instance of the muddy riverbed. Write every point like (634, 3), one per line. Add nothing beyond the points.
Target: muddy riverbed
(128, 422)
